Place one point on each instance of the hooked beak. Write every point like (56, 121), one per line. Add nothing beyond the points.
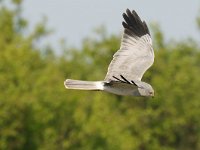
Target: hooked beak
(153, 94)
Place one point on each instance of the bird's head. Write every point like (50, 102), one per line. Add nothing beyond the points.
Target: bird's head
(146, 90)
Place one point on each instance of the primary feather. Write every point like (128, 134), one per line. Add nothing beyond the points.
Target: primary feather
(129, 63)
(136, 54)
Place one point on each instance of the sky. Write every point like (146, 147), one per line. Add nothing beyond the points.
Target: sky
(73, 20)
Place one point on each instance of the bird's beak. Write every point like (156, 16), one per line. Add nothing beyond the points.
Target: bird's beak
(153, 95)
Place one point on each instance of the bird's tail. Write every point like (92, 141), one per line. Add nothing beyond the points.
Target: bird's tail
(83, 85)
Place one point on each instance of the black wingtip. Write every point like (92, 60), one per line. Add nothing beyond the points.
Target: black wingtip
(124, 25)
(133, 23)
(128, 11)
(134, 12)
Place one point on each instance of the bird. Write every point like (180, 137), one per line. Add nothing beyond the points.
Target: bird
(129, 63)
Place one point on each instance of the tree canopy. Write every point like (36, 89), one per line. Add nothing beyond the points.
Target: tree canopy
(37, 112)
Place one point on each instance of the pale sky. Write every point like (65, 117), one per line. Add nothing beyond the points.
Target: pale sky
(75, 19)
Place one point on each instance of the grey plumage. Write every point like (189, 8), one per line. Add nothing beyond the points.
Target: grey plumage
(83, 85)
(129, 63)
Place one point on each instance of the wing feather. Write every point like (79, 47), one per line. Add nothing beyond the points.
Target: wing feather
(136, 54)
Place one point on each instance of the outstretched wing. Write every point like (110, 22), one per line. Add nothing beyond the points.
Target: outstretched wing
(136, 54)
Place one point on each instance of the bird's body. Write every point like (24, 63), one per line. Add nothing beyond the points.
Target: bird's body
(129, 63)
(114, 87)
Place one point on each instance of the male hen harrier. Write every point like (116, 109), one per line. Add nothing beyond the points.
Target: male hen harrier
(129, 63)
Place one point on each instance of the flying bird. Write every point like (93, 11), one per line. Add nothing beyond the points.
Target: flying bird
(129, 63)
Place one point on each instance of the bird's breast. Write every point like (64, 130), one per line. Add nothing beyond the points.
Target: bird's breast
(121, 88)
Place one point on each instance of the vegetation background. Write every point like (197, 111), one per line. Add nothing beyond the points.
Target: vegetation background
(37, 112)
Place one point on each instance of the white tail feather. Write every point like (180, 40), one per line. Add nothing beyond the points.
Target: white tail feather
(83, 85)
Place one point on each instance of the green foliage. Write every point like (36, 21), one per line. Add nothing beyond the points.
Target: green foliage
(37, 112)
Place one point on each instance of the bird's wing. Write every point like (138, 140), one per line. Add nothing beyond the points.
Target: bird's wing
(136, 54)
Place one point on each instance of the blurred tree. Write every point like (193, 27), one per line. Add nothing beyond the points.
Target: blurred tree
(25, 77)
(36, 112)
(169, 121)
